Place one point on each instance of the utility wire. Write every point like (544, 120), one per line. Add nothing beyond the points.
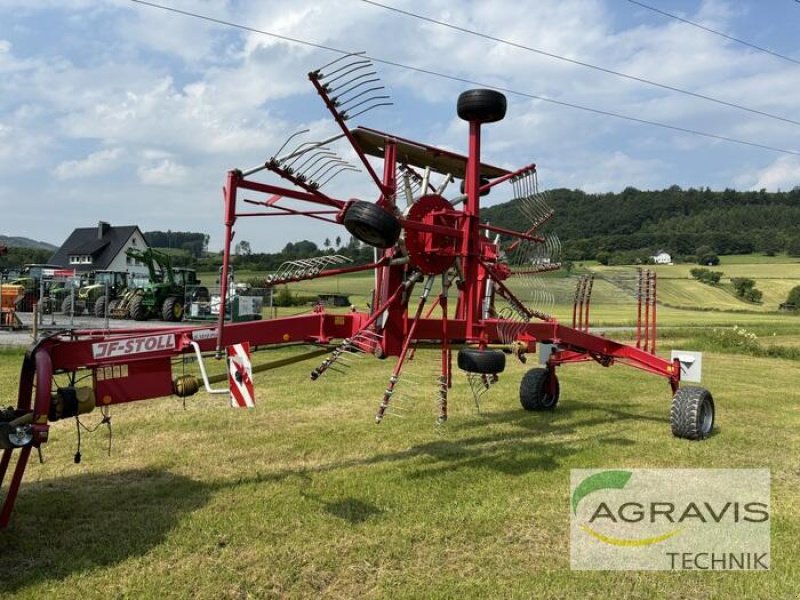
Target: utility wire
(468, 81)
(715, 32)
(581, 63)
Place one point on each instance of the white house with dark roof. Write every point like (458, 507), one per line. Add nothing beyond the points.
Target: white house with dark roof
(102, 248)
(662, 258)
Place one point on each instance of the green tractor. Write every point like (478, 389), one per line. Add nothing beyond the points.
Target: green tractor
(164, 295)
(104, 288)
(31, 278)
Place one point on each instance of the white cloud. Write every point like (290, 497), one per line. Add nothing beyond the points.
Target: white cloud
(96, 163)
(783, 174)
(165, 172)
(182, 100)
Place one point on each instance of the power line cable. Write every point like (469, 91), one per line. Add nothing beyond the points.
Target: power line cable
(715, 32)
(468, 81)
(581, 63)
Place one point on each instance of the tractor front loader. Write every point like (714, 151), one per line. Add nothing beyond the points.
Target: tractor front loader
(163, 296)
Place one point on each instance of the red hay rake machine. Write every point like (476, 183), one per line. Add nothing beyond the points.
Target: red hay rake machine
(441, 276)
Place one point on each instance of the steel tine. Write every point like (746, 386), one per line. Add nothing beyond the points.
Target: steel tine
(289, 139)
(342, 57)
(369, 108)
(341, 170)
(346, 71)
(344, 67)
(338, 101)
(359, 84)
(304, 164)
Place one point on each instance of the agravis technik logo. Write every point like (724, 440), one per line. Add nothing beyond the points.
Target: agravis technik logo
(705, 519)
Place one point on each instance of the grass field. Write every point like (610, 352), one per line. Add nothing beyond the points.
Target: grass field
(305, 497)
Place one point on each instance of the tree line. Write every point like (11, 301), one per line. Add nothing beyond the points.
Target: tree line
(636, 223)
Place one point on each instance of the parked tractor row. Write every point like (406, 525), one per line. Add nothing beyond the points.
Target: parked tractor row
(162, 295)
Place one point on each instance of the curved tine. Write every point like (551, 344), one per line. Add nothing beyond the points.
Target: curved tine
(340, 163)
(298, 154)
(326, 160)
(351, 68)
(531, 210)
(342, 170)
(369, 108)
(367, 91)
(294, 153)
(364, 61)
(325, 164)
(515, 188)
(367, 101)
(530, 184)
(528, 210)
(317, 157)
(305, 163)
(558, 247)
(359, 84)
(342, 57)
(289, 139)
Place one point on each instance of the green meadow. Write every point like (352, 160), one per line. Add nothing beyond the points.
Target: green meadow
(306, 497)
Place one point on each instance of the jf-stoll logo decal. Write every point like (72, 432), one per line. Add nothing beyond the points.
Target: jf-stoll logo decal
(670, 519)
(136, 345)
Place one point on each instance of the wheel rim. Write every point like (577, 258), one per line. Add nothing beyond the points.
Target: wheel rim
(706, 417)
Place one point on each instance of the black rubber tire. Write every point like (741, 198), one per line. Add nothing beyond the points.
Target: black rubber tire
(485, 362)
(68, 308)
(371, 224)
(692, 413)
(112, 307)
(137, 310)
(481, 106)
(533, 390)
(172, 309)
(100, 307)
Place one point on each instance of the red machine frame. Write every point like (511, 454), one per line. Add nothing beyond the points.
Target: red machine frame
(436, 238)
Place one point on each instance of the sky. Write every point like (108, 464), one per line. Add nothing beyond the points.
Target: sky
(118, 111)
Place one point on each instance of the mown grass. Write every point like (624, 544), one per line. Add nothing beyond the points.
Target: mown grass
(305, 497)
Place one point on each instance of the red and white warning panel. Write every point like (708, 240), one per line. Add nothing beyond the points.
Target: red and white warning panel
(240, 376)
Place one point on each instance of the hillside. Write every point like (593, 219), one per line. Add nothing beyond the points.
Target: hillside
(678, 221)
(23, 242)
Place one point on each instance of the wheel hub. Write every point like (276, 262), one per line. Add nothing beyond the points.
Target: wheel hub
(431, 252)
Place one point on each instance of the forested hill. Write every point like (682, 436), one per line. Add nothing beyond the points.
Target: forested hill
(677, 221)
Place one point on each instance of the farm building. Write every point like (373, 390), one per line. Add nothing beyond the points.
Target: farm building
(662, 258)
(101, 248)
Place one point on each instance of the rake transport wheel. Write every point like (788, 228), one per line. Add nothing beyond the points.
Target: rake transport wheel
(371, 224)
(137, 311)
(481, 106)
(172, 310)
(692, 413)
(485, 362)
(537, 391)
(100, 306)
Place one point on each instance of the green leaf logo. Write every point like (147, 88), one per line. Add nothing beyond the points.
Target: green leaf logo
(615, 480)
(611, 480)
